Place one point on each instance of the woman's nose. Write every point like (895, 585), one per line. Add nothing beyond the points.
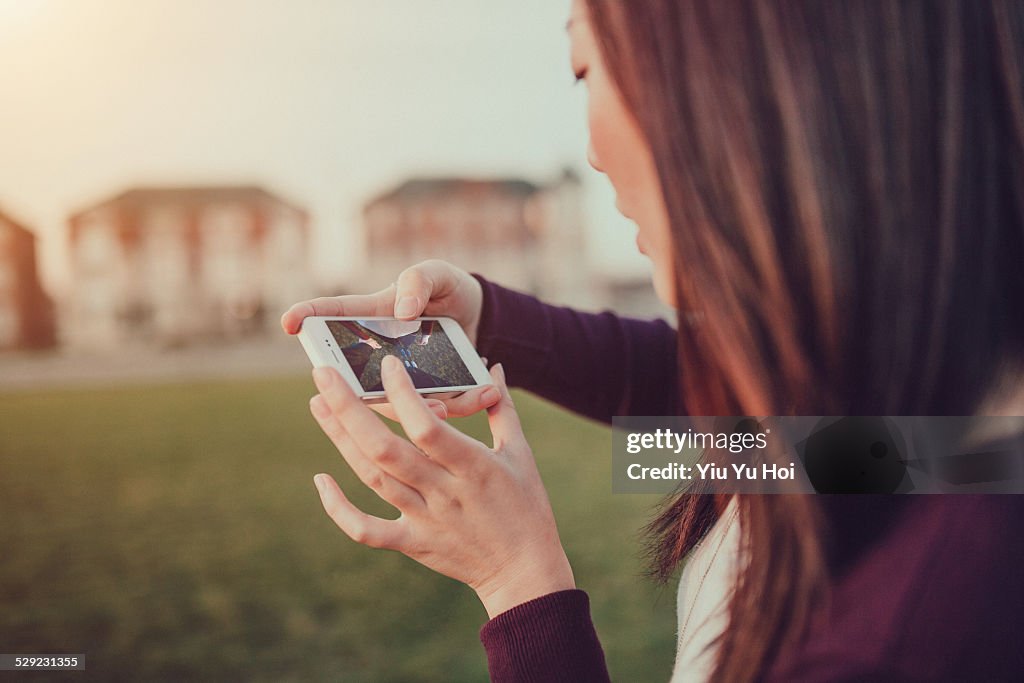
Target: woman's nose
(592, 158)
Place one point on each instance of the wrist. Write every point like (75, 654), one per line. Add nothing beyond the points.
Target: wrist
(516, 587)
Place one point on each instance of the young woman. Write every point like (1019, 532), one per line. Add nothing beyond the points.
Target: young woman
(832, 195)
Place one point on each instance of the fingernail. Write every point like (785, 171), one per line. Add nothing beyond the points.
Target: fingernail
(323, 377)
(439, 409)
(318, 481)
(387, 365)
(318, 407)
(405, 307)
(501, 372)
(490, 394)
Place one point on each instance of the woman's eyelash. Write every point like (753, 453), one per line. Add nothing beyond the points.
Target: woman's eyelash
(580, 75)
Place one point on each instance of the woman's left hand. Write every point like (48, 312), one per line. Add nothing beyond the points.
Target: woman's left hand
(476, 514)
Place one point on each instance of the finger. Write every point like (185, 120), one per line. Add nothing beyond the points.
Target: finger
(378, 303)
(437, 407)
(359, 526)
(391, 453)
(380, 482)
(442, 442)
(472, 401)
(503, 418)
(418, 284)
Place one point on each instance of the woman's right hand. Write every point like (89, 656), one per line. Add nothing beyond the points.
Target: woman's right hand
(432, 287)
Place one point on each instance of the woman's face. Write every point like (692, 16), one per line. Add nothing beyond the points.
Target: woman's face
(618, 149)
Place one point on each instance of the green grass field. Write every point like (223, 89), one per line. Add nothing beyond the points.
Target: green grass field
(173, 533)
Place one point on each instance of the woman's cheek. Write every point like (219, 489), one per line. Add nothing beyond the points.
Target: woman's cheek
(596, 147)
(609, 139)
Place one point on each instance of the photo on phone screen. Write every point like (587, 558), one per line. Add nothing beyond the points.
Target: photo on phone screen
(423, 347)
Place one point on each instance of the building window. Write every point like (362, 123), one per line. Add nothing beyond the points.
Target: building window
(96, 247)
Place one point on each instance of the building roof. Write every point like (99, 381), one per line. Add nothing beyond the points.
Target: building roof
(196, 195)
(6, 219)
(419, 188)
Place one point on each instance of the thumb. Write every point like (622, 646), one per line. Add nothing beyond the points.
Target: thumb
(413, 291)
(506, 429)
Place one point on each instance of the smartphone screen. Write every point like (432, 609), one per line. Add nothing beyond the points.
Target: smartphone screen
(425, 350)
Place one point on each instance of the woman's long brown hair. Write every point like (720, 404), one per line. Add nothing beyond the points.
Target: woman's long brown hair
(845, 188)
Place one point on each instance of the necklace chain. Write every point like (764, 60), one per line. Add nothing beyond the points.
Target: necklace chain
(693, 603)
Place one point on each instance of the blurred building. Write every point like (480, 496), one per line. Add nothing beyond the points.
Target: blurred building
(516, 232)
(26, 312)
(169, 265)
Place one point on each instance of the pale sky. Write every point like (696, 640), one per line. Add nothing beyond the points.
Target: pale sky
(326, 102)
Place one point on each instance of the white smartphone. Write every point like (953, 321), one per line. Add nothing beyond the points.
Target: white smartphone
(435, 352)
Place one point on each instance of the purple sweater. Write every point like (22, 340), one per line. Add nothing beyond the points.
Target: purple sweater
(924, 588)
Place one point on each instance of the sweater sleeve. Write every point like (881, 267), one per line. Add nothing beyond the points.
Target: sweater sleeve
(547, 639)
(937, 598)
(595, 364)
